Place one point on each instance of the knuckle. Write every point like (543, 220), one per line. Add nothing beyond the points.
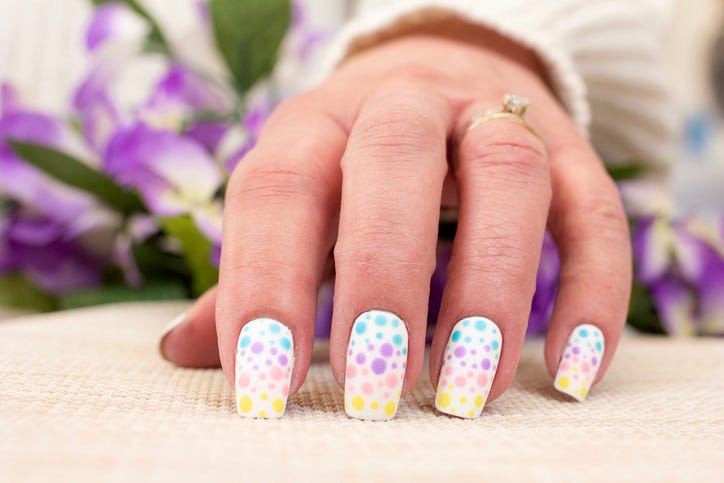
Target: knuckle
(396, 130)
(513, 157)
(256, 183)
(388, 252)
(499, 253)
(601, 214)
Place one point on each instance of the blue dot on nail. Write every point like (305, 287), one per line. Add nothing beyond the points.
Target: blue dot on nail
(395, 322)
(468, 339)
(360, 328)
(404, 351)
(379, 335)
(285, 343)
(274, 328)
(397, 339)
(466, 323)
(455, 336)
(381, 320)
(480, 324)
(583, 333)
(245, 341)
(599, 347)
(495, 345)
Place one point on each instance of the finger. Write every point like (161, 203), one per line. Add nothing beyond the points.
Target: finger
(504, 191)
(190, 340)
(393, 170)
(278, 230)
(590, 228)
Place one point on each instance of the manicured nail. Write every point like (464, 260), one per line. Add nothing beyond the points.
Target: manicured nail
(264, 362)
(180, 319)
(468, 367)
(376, 362)
(581, 360)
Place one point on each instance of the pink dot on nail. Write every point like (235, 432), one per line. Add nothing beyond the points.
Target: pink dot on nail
(271, 386)
(365, 371)
(367, 388)
(470, 374)
(386, 395)
(482, 379)
(391, 380)
(575, 377)
(379, 383)
(262, 376)
(585, 367)
(242, 380)
(565, 366)
(276, 373)
(460, 381)
(285, 390)
(351, 370)
(448, 370)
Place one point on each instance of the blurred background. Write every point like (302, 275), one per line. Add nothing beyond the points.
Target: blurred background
(58, 67)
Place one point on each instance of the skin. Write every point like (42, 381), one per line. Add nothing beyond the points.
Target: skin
(360, 166)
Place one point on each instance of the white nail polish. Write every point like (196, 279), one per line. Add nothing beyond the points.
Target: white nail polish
(580, 362)
(264, 363)
(376, 364)
(173, 324)
(469, 364)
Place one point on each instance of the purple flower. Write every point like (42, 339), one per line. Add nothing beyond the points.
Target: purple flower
(113, 22)
(174, 174)
(682, 264)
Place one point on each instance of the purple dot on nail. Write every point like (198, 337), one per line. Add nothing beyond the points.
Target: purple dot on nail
(386, 350)
(242, 352)
(485, 364)
(449, 357)
(594, 361)
(394, 365)
(370, 347)
(567, 356)
(379, 366)
(576, 350)
(475, 366)
(360, 358)
(257, 347)
(487, 348)
(268, 362)
(462, 363)
(404, 364)
(274, 351)
(283, 360)
(474, 351)
(398, 353)
(256, 368)
(349, 352)
(460, 351)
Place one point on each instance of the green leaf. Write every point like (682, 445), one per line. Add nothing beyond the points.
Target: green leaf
(75, 173)
(248, 34)
(156, 38)
(161, 290)
(196, 250)
(18, 292)
(642, 312)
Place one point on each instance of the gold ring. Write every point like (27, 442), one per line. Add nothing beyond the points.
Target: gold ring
(513, 109)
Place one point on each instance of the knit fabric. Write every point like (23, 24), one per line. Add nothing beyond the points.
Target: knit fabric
(85, 396)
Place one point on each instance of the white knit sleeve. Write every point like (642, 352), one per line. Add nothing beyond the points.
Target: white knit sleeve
(603, 59)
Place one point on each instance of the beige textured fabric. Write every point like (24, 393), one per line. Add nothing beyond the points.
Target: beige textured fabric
(85, 396)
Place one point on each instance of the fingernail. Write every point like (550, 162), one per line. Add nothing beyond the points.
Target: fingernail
(180, 319)
(264, 362)
(580, 362)
(468, 368)
(376, 363)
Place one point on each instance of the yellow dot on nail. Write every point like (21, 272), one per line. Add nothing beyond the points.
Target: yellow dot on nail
(470, 413)
(584, 391)
(564, 382)
(390, 408)
(262, 414)
(245, 404)
(463, 400)
(443, 400)
(478, 400)
(358, 403)
(450, 386)
(278, 405)
(374, 405)
(453, 410)
(264, 396)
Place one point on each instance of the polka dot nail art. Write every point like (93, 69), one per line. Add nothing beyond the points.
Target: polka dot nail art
(376, 363)
(264, 362)
(580, 362)
(469, 363)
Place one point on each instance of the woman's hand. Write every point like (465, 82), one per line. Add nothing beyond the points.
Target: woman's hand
(360, 165)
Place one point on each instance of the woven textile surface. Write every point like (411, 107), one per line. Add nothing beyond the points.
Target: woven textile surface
(85, 396)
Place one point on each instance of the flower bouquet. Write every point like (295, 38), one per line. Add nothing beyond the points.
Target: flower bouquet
(122, 199)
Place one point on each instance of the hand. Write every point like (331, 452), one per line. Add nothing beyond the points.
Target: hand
(360, 165)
